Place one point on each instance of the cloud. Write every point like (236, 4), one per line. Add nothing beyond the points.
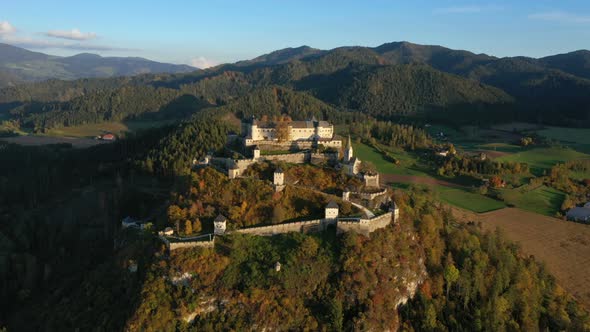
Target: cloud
(561, 17)
(202, 63)
(6, 28)
(73, 34)
(8, 35)
(467, 9)
(27, 42)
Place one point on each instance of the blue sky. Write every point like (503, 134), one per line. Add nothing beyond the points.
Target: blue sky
(209, 32)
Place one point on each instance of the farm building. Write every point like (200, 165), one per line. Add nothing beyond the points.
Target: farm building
(579, 213)
(108, 137)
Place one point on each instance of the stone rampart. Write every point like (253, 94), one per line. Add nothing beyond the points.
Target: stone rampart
(187, 244)
(298, 226)
(360, 225)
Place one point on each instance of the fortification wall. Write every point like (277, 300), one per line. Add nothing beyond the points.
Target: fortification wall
(294, 158)
(191, 244)
(380, 221)
(367, 195)
(298, 226)
(187, 244)
(352, 226)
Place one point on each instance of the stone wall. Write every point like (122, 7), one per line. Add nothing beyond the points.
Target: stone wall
(299, 226)
(293, 158)
(191, 244)
(380, 221)
(359, 225)
(368, 195)
(187, 244)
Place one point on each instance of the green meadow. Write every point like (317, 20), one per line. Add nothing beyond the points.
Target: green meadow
(467, 200)
(542, 159)
(544, 200)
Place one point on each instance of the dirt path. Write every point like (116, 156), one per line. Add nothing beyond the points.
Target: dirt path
(563, 246)
(389, 178)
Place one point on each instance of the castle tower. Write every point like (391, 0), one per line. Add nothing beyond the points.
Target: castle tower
(346, 195)
(256, 152)
(219, 225)
(348, 153)
(395, 209)
(331, 212)
(279, 179)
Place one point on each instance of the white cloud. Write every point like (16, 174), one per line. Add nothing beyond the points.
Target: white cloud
(561, 17)
(73, 34)
(202, 63)
(31, 43)
(467, 9)
(6, 28)
(8, 35)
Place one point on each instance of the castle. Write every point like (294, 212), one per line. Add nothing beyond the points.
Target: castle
(303, 139)
(312, 131)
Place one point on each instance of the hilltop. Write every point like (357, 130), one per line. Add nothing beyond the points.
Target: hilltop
(20, 65)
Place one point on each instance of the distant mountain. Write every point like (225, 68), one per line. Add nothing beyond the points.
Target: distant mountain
(576, 63)
(20, 65)
(281, 56)
(390, 81)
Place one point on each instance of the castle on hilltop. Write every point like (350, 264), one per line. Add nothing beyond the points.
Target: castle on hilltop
(309, 132)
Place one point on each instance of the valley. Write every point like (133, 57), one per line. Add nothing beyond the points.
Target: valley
(356, 188)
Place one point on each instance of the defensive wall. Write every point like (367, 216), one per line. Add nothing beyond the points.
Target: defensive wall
(359, 225)
(188, 243)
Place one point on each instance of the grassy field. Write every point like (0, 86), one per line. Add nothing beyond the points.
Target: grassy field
(541, 159)
(576, 138)
(467, 200)
(407, 162)
(567, 135)
(95, 129)
(543, 200)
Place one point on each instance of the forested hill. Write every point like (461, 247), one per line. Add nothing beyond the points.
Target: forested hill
(24, 65)
(387, 82)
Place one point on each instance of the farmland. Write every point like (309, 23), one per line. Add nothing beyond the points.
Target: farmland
(542, 159)
(563, 246)
(468, 200)
(543, 200)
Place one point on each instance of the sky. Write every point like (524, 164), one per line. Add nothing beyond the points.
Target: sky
(206, 33)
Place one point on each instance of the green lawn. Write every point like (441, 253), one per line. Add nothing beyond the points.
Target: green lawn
(543, 200)
(468, 200)
(407, 162)
(540, 159)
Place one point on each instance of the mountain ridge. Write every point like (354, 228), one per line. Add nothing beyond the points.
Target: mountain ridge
(21, 65)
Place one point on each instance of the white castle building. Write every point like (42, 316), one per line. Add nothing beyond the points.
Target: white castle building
(255, 132)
